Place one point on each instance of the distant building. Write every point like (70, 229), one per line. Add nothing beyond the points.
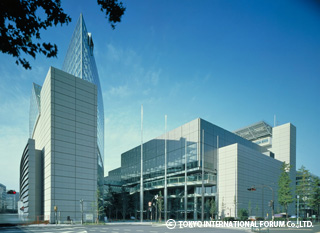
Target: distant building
(113, 181)
(225, 164)
(31, 178)
(63, 160)
(12, 202)
(3, 195)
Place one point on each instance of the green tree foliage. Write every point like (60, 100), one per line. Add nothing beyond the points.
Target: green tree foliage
(213, 208)
(315, 197)
(20, 25)
(98, 206)
(303, 188)
(113, 10)
(284, 190)
(243, 214)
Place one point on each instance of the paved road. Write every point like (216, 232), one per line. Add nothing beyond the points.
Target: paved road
(137, 228)
(315, 229)
(124, 228)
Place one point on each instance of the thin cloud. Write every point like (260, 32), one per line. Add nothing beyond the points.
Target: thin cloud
(153, 76)
(120, 91)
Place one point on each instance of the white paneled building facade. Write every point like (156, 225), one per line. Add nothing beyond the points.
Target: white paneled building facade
(63, 160)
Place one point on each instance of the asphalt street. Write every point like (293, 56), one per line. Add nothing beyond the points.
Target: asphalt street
(138, 228)
(114, 228)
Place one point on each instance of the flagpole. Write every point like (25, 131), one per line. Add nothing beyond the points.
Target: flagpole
(165, 171)
(202, 185)
(185, 182)
(141, 170)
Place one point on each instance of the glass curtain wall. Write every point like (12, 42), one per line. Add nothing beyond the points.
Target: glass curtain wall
(80, 61)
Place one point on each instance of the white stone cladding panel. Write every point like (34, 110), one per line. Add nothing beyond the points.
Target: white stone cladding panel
(66, 127)
(284, 148)
(241, 168)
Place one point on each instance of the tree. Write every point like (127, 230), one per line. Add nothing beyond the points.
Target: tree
(213, 208)
(284, 190)
(109, 200)
(243, 214)
(20, 25)
(99, 206)
(315, 197)
(303, 188)
(113, 10)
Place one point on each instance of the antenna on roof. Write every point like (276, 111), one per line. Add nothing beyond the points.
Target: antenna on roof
(274, 121)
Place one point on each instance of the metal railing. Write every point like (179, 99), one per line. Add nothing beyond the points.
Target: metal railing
(176, 181)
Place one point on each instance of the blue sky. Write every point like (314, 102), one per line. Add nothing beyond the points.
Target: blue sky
(230, 62)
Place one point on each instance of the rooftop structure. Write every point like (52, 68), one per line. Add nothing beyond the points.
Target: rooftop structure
(255, 131)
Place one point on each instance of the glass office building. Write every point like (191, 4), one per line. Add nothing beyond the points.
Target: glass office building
(34, 111)
(204, 153)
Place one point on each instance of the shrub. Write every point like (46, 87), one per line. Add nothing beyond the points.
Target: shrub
(229, 219)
